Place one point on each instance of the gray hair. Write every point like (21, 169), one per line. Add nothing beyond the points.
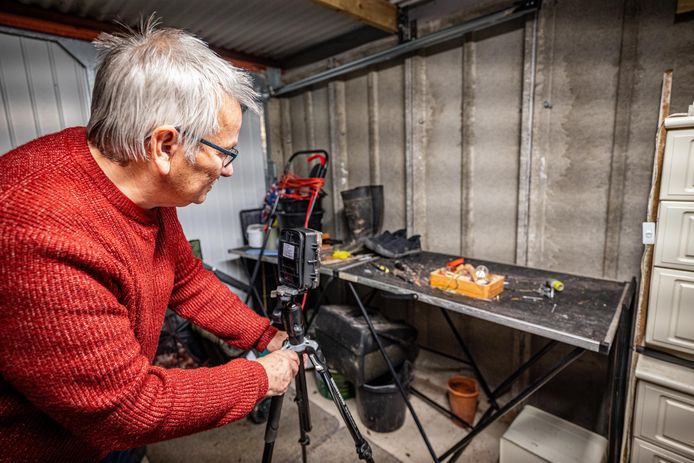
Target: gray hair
(153, 77)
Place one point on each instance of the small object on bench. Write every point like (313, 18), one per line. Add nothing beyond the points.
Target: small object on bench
(476, 282)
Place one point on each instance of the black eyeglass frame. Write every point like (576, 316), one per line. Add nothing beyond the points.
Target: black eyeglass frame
(230, 154)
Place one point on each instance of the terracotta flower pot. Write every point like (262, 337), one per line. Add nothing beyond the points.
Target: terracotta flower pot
(462, 396)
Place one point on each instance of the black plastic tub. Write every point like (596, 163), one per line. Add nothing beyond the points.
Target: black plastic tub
(297, 219)
(379, 403)
(300, 205)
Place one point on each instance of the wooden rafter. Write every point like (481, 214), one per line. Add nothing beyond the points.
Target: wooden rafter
(48, 27)
(377, 13)
(685, 6)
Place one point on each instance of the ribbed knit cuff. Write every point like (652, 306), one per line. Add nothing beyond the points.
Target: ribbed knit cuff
(265, 338)
(255, 370)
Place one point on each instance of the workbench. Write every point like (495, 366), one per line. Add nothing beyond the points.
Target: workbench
(586, 314)
(591, 314)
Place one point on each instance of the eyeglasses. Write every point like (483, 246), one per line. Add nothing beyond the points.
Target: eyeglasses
(229, 154)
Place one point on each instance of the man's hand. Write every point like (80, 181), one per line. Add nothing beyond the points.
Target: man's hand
(280, 366)
(276, 342)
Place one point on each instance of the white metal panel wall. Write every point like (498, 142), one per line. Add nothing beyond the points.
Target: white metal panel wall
(43, 89)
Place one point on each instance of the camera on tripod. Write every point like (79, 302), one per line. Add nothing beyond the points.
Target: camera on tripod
(299, 258)
(299, 263)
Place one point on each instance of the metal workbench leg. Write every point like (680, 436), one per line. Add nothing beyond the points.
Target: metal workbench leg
(393, 373)
(444, 354)
(316, 309)
(505, 384)
(619, 371)
(565, 361)
(439, 408)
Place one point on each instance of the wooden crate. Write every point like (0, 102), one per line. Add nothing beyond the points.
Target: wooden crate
(450, 281)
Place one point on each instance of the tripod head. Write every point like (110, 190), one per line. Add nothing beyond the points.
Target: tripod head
(287, 314)
(286, 293)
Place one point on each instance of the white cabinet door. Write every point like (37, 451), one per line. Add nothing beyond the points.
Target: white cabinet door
(678, 166)
(675, 235)
(665, 417)
(643, 452)
(670, 323)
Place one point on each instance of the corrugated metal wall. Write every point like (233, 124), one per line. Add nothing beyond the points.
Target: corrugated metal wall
(476, 166)
(43, 89)
(530, 142)
(45, 86)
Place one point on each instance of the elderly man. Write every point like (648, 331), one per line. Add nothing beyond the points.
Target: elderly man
(92, 254)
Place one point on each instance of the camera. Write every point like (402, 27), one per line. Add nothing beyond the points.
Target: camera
(299, 258)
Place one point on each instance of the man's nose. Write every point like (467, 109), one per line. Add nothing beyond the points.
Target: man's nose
(228, 171)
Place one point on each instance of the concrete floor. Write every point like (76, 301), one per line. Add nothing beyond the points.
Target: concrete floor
(330, 441)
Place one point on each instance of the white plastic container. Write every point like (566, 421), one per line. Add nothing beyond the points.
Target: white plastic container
(537, 436)
(255, 235)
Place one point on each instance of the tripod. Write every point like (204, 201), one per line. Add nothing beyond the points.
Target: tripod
(289, 314)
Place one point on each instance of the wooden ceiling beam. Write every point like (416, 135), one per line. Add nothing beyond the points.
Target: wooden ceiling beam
(48, 27)
(377, 13)
(63, 25)
(685, 6)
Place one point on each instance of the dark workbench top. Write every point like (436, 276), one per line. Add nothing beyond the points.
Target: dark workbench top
(586, 315)
(329, 269)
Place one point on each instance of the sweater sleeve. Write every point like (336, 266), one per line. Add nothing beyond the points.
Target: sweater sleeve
(199, 296)
(68, 346)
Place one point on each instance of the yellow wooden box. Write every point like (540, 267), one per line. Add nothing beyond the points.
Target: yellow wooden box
(451, 281)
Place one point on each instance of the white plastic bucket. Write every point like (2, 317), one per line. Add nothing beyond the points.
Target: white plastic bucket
(255, 235)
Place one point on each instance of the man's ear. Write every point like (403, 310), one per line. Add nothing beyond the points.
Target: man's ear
(164, 143)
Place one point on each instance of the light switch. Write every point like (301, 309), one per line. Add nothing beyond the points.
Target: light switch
(648, 232)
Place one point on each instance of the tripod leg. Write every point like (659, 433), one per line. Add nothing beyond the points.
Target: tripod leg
(363, 448)
(304, 412)
(273, 424)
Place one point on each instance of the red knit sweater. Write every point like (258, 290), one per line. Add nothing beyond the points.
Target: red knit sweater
(85, 278)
